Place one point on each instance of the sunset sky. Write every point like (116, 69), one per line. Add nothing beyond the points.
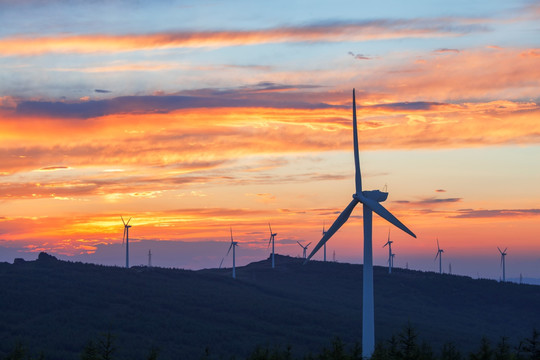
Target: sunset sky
(193, 116)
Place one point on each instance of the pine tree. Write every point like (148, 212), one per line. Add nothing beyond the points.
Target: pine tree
(503, 350)
(485, 352)
(531, 346)
(106, 346)
(449, 352)
(90, 352)
(407, 343)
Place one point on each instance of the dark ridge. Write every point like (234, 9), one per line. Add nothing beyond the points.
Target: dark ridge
(57, 307)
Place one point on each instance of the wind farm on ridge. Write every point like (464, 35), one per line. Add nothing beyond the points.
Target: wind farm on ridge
(371, 203)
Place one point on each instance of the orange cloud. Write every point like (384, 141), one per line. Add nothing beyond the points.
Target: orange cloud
(490, 74)
(337, 31)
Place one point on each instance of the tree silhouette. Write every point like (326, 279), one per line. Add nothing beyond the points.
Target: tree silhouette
(106, 346)
(531, 346)
(449, 352)
(485, 352)
(90, 352)
(502, 352)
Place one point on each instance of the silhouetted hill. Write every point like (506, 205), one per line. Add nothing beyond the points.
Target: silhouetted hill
(58, 306)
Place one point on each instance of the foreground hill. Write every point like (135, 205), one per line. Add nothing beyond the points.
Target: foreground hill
(57, 307)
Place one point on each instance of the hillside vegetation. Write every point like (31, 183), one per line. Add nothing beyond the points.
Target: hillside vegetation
(57, 307)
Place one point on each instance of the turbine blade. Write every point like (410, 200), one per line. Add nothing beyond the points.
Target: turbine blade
(121, 217)
(128, 221)
(309, 244)
(231, 234)
(499, 250)
(436, 256)
(438, 248)
(341, 219)
(357, 174)
(230, 247)
(505, 251)
(269, 241)
(221, 263)
(385, 214)
(270, 228)
(385, 244)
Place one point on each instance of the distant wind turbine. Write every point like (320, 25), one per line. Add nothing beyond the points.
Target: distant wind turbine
(324, 233)
(233, 246)
(126, 239)
(439, 255)
(149, 258)
(272, 239)
(304, 248)
(503, 262)
(390, 255)
(371, 203)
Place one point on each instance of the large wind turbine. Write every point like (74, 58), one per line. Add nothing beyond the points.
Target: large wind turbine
(272, 238)
(503, 262)
(439, 255)
(324, 233)
(304, 248)
(390, 255)
(233, 246)
(371, 203)
(126, 239)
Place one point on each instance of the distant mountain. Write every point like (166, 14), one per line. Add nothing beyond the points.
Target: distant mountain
(57, 307)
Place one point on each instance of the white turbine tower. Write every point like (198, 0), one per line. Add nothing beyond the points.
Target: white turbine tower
(233, 246)
(304, 248)
(503, 262)
(439, 255)
(390, 255)
(272, 238)
(324, 233)
(371, 203)
(126, 239)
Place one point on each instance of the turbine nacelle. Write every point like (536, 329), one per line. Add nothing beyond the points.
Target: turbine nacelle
(377, 195)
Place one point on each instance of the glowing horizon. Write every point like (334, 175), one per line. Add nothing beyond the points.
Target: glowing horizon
(225, 121)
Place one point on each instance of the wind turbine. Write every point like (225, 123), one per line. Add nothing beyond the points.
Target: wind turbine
(149, 258)
(272, 238)
(304, 248)
(371, 203)
(233, 246)
(323, 233)
(503, 262)
(390, 255)
(126, 239)
(439, 255)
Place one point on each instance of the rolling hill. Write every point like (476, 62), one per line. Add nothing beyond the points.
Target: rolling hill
(57, 307)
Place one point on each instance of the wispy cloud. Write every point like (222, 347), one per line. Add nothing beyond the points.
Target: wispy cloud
(329, 31)
(430, 201)
(501, 213)
(446, 50)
